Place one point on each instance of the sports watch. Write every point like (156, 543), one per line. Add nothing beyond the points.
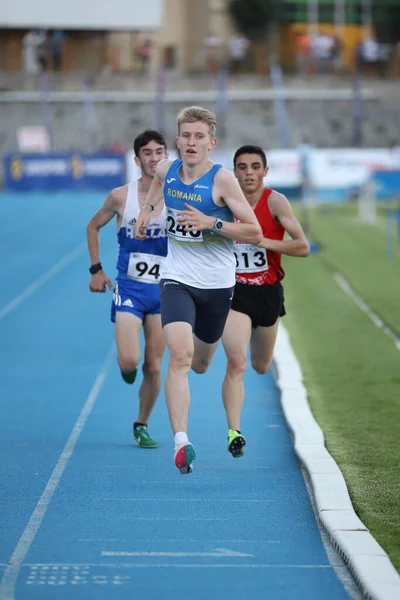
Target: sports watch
(218, 225)
(95, 268)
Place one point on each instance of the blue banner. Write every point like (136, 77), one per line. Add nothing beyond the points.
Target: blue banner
(387, 183)
(72, 171)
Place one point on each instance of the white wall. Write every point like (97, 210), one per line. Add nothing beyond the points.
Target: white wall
(81, 14)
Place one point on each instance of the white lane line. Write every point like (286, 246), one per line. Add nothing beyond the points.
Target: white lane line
(189, 541)
(217, 553)
(233, 565)
(186, 500)
(33, 287)
(178, 519)
(362, 305)
(10, 575)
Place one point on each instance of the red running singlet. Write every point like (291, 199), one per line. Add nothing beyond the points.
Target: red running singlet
(258, 266)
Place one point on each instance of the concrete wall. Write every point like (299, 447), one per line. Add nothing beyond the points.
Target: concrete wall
(329, 123)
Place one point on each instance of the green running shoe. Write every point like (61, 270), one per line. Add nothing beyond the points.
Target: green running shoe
(143, 438)
(236, 443)
(129, 376)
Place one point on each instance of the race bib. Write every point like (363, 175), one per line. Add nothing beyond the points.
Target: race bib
(144, 267)
(250, 259)
(178, 232)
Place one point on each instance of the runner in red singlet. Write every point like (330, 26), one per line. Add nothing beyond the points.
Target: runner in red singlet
(258, 297)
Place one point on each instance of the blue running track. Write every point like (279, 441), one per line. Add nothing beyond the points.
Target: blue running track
(87, 515)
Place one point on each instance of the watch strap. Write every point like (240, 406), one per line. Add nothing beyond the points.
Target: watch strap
(95, 268)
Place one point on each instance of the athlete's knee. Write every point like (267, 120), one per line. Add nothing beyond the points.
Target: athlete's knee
(236, 366)
(152, 368)
(180, 358)
(127, 363)
(261, 366)
(200, 365)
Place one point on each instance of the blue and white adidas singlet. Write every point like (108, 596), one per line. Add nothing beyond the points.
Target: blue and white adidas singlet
(200, 259)
(139, 261)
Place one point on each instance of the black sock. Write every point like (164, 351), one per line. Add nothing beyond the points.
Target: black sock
(137, 424)
(129, 376)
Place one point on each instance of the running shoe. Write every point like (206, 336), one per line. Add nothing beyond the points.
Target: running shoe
(129, 376)
(236, 443)
(143, 438)
(184, 457)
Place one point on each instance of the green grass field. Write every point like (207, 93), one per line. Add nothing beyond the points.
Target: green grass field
(351, 368)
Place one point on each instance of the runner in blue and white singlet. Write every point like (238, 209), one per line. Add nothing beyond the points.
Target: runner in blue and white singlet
(198, 275)
(136, 298)
(197, 258)
(139, 262)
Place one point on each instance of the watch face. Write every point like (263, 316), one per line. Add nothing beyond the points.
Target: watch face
(219, 225)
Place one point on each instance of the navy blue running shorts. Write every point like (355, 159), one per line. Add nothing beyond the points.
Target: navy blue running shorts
(206, 310)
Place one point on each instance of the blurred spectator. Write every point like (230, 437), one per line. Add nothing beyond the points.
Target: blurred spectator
(322, 46)
(213, 48)
(336, 54)
(369, 55)
(145, 52)
(42, 49)
(303, 53)
(33, 52)
(306, 152)
(237, 48)
(394, 157)
(57, 46)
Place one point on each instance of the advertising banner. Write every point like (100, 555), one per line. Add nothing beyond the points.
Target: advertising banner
(72, 171)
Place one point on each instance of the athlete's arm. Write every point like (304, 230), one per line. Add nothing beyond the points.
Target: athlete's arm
(248, 230)
(281, 210)
(110, 208)
(154, 196)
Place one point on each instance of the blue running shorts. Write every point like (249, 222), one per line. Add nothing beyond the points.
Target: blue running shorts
(135, 297)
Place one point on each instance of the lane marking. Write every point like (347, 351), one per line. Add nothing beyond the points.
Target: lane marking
(178, 519)
(10, 575)
(362, 305)
(33, 287)
(232, 565)
(218, 552)
(238, 540)
(186, 500)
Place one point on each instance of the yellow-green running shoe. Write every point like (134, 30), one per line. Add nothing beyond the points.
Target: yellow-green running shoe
(236, 443)
(143, 438)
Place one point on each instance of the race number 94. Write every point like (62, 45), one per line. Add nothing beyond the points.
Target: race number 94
(143, 270)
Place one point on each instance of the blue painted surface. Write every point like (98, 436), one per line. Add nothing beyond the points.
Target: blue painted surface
(113, 496)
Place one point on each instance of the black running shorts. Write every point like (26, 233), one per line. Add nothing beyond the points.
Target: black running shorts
(262, 303)
(205, 310)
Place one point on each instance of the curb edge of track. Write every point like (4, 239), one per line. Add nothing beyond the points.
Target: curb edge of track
(366, 559)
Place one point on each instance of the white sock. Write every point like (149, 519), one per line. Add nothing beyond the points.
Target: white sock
(180, 438)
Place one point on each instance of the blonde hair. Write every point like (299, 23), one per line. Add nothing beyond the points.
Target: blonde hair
(191, 114)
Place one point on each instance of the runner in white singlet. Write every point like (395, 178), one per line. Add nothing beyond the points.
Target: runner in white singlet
(136, 298)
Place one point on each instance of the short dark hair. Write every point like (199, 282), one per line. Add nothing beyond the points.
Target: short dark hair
(146, 137)
(250, 149)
